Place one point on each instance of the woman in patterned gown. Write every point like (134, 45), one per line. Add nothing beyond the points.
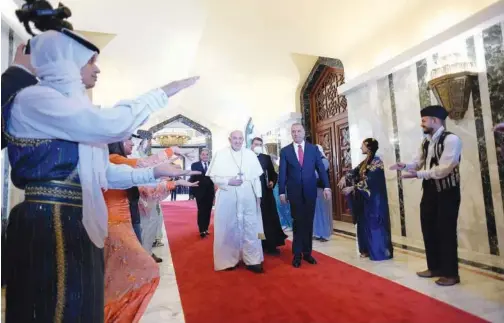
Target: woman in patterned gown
(131, 274)
(366, 193)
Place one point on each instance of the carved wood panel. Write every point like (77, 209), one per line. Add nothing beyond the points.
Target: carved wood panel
(344, 166)
(325, 138)
(329, 103)
(330, 121)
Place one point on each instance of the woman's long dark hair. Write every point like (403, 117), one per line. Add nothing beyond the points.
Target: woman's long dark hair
(372, 146)
(118, 148)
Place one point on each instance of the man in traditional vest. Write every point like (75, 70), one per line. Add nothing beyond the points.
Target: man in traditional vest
(437, 164)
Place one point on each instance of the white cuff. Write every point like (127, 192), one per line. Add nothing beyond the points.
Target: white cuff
(155, 100)
(423, 174)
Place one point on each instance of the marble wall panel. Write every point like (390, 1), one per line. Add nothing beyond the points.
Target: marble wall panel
(389, 110)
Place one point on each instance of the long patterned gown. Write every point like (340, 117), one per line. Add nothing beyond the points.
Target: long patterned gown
(369, 206)
(131, 275)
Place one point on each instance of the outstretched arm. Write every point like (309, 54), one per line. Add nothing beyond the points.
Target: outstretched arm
(47, 114)
(158, 193)
(155, 159)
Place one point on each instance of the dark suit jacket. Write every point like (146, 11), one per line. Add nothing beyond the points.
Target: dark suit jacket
(206, 185)
(300, 182)
(14, 79)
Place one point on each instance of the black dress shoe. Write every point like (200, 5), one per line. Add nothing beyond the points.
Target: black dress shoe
(309, 259)
(296, 262)
(207, 233)
(448, 281)
(156, 258)
(427, 274)
(258, 269)
(202, 235)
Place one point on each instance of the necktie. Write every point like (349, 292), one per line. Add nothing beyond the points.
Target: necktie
(205, 167)
(300, 155)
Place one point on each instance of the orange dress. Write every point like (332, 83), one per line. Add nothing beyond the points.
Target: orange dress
(131, 275)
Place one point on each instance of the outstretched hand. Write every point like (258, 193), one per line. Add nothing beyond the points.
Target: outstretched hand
(348, 190)
(183, 182)
(398, 166)
(408, 175)
(176, 86)
(168, 170)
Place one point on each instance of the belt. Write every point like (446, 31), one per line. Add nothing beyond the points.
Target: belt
(54, 192)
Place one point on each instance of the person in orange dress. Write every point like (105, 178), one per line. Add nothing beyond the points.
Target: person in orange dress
(131, 274)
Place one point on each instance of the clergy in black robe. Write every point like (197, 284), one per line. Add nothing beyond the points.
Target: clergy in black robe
(275, 236)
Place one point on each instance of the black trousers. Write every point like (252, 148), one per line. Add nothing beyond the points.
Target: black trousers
(303, 213)
(439, 215)
(204, 203)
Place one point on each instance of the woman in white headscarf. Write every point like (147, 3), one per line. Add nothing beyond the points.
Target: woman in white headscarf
(58, 154)
(323, 222)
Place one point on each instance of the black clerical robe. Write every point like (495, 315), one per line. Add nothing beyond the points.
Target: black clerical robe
(272, 228)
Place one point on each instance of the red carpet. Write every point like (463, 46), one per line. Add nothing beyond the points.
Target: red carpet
(331, 291)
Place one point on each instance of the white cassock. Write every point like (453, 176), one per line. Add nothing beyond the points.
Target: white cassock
(238, 227)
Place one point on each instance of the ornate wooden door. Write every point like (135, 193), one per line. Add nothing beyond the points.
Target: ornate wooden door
(330, 121)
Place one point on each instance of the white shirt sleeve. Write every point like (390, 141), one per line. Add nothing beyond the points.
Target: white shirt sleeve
(449, 159)
(43, 113)
(124, 177)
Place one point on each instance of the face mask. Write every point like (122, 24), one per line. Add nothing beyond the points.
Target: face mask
(258, 150)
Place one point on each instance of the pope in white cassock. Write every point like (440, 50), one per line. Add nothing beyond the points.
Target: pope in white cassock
(238, 227)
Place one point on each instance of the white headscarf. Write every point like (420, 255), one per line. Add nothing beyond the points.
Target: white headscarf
(57, 60)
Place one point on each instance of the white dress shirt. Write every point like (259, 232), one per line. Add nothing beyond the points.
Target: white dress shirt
(448, 160)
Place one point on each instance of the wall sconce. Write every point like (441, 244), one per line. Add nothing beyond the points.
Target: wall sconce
(453, 92)
(452, 86)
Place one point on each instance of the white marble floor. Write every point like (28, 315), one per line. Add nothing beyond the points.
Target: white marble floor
(480, 293)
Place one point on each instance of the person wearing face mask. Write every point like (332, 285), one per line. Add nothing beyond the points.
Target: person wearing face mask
(57, 145)
(437, 165)
(273, 232)
(238, 228)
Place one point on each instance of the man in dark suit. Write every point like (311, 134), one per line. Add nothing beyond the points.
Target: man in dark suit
(298, 163)
(17, 77)
(273, 232)
(204, 193)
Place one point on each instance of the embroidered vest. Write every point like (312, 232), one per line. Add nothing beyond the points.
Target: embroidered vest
(450, 181)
